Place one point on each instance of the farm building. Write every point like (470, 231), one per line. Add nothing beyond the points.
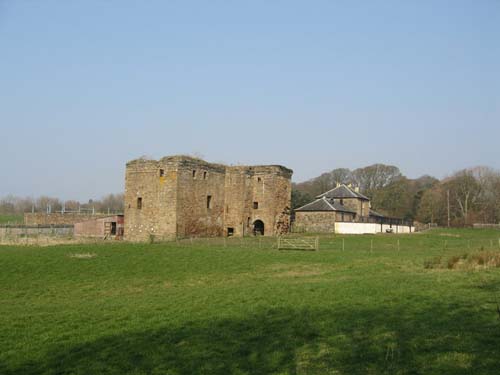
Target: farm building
(345, 210)
(109, 227)
(182, 196)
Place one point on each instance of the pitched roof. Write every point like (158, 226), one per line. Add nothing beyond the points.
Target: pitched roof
(343, 191)
(375, 213)
(324, 204)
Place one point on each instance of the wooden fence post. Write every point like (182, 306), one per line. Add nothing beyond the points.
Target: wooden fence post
(399, 247)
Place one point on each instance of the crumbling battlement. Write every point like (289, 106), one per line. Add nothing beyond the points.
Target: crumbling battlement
(182, 196)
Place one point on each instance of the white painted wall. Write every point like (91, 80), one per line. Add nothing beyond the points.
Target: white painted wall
(368, 228)
(356, 228)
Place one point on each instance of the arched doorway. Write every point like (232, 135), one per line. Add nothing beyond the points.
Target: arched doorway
(258, 227)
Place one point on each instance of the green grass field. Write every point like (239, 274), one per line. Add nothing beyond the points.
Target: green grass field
(202, 308)
(11, 219)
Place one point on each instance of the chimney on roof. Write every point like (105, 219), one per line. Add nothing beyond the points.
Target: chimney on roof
(356, 189)
(338, 184)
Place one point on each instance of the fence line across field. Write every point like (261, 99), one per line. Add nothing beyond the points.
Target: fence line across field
(371, 243)
(334, 243)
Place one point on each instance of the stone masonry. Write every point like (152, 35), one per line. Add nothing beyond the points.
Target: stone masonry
(58, 218)
(181, 196)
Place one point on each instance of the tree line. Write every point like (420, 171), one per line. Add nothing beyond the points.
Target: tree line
(12, 205)
(466, 197)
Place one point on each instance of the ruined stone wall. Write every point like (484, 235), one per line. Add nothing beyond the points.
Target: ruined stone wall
(200, 198)
(273, 192)
(175, 195)
(238, 201)
(314, 221)
(155, 182)
(58, 218)
(258, 193)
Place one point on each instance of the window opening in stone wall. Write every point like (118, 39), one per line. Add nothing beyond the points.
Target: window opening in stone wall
(113, 228)
(209, 201)
(259, 179)
(255, 205)
(204, 175)
(342, 202)
(139, 203)
(230, 232)
(194, 174)
(162, 172)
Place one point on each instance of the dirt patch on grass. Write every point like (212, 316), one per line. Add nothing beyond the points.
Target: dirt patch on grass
(83, 256)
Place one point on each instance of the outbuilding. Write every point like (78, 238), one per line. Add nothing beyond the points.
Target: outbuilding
(345, 210)
(109, 227)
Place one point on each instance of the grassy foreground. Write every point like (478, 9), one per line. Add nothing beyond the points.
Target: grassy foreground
(202, 308)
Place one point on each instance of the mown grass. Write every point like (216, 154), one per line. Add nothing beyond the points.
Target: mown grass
(11, 219)
(202, 308)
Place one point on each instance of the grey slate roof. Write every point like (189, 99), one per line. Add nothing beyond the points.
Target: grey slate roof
(375, 213)
(324, 204)
(343, 191)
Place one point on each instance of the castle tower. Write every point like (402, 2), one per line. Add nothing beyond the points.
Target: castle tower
(180, 196)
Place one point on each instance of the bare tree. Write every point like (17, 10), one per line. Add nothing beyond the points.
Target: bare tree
(376, 176)
(465, 191)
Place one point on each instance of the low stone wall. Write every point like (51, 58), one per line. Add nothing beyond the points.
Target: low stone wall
(35, 230)
(58, 218)
(314, 222)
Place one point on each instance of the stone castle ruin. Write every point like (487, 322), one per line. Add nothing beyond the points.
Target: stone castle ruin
(182, 196)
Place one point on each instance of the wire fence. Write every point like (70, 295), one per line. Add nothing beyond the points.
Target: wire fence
(370, 243)
(434, 243)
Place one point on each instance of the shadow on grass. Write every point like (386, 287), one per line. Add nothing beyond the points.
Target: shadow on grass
(434, 340)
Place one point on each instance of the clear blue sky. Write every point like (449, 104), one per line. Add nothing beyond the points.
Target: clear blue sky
(314, 85)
